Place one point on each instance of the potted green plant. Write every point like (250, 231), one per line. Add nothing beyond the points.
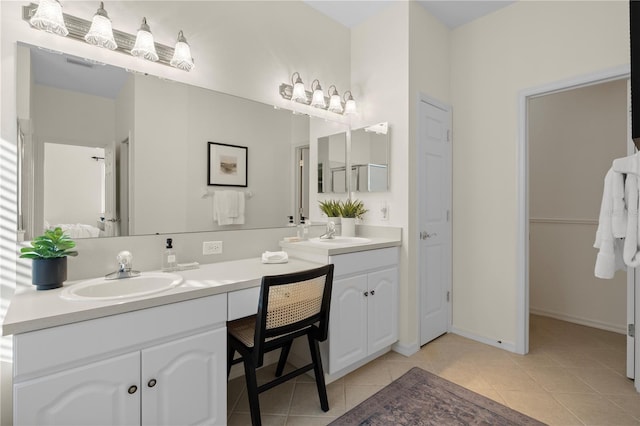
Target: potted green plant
(49, 254)
(332, 209)
(350, 211)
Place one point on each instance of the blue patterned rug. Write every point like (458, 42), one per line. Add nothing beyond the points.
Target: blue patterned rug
(422, 398)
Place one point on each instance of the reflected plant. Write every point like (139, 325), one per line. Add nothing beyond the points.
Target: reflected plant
(331, 208)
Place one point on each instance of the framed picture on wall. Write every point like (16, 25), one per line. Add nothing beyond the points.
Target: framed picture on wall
(226, 164)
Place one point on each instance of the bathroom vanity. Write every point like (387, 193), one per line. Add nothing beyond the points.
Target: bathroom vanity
(161, 359)
(363, 320)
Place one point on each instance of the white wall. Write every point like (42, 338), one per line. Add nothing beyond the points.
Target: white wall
(524, 45)
(573, 138)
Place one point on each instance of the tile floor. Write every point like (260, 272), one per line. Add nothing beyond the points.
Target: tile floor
(573, 375)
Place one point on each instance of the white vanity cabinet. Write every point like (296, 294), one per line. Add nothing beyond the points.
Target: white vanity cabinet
(364, 307)
(159, 366)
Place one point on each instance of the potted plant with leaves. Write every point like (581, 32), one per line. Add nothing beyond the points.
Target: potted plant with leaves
(350, 211)
(49, 254)
(332, 209)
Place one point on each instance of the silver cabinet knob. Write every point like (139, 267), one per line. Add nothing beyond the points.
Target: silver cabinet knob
(132, 389)
(152, 383)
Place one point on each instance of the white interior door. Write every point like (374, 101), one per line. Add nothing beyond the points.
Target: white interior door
(434, 193)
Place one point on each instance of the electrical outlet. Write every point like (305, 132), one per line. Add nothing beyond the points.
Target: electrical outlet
(212, 247)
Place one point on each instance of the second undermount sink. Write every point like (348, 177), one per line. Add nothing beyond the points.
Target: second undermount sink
(341, 240)
(104, 289)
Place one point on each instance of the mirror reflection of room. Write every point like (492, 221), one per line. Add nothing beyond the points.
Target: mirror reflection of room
(332, 151)
(155, 170)
(369, 160)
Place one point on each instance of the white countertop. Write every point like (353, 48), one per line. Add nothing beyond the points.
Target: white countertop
(32, 310)
(334, 248)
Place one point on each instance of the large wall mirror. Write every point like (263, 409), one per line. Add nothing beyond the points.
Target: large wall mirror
(107, 152)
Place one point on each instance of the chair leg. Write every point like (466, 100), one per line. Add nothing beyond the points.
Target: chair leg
(317, 368)
(284, 353)
(252, 391)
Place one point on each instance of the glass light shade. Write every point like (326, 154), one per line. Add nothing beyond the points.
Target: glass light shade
(48, 17)
(318, 99)
(334, 103)
(350, 106)
(101, 32)
(144, 47)
(182, 54)
(299, 93)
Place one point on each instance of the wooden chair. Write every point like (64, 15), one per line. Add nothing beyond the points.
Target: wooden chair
(290, 306)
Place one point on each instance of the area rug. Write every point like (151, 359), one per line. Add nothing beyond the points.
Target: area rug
(422, 398)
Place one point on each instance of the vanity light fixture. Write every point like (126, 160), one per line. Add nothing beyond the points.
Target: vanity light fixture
(48, 17)
(182, 54)
(145, 47)
(101, 32)
(299, 93)
(335, 103)
(296, 92)
(349, 103)
(318, 96)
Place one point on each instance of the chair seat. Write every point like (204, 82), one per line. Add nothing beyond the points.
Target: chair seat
(244, 330)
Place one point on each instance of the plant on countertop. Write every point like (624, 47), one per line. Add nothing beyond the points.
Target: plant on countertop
(353, 209)
(52, 244)
(331, 208)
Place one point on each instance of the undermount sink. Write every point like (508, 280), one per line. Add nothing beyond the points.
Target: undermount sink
(104, 289)
(341, 240)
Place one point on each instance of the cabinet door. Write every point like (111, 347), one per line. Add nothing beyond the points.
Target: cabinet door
(382, 309)
(348, 322)
(185, 381)
(101, 393)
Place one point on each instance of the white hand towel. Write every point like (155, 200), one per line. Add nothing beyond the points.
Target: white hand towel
(239, 218)
(226, 207)
(275, 257)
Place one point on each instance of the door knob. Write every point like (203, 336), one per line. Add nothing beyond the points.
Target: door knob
(425, 235)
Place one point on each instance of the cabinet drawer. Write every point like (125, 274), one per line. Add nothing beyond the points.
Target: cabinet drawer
(242, 303)
(91, 340)
(351, 263)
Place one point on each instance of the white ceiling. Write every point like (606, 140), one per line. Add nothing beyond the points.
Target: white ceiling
(452, 13)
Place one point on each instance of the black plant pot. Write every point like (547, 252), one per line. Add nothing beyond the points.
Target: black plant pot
(47, 274)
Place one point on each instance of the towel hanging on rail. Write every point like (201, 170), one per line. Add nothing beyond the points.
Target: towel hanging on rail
(228, 207)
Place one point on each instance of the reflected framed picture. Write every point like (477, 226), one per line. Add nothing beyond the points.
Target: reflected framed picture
(226, 165)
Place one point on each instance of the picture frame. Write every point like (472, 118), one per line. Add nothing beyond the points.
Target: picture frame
(227, 164)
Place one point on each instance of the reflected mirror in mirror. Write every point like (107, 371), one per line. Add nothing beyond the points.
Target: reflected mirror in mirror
(370, 159)
(332, 158)
(106, 152)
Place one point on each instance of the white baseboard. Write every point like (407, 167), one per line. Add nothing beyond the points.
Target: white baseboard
(406, 350)
(502, 344)
(621, 329)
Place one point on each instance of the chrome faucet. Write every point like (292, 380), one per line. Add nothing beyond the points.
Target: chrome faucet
(331, 231)
(125, 270)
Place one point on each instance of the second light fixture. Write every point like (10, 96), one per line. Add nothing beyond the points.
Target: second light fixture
(296, 92)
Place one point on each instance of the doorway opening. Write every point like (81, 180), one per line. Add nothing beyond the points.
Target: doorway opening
(560, 189)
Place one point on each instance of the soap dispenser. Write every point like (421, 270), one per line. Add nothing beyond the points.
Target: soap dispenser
(169, 261)
(303, 229)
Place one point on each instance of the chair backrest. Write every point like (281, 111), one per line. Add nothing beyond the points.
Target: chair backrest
(292, 302)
